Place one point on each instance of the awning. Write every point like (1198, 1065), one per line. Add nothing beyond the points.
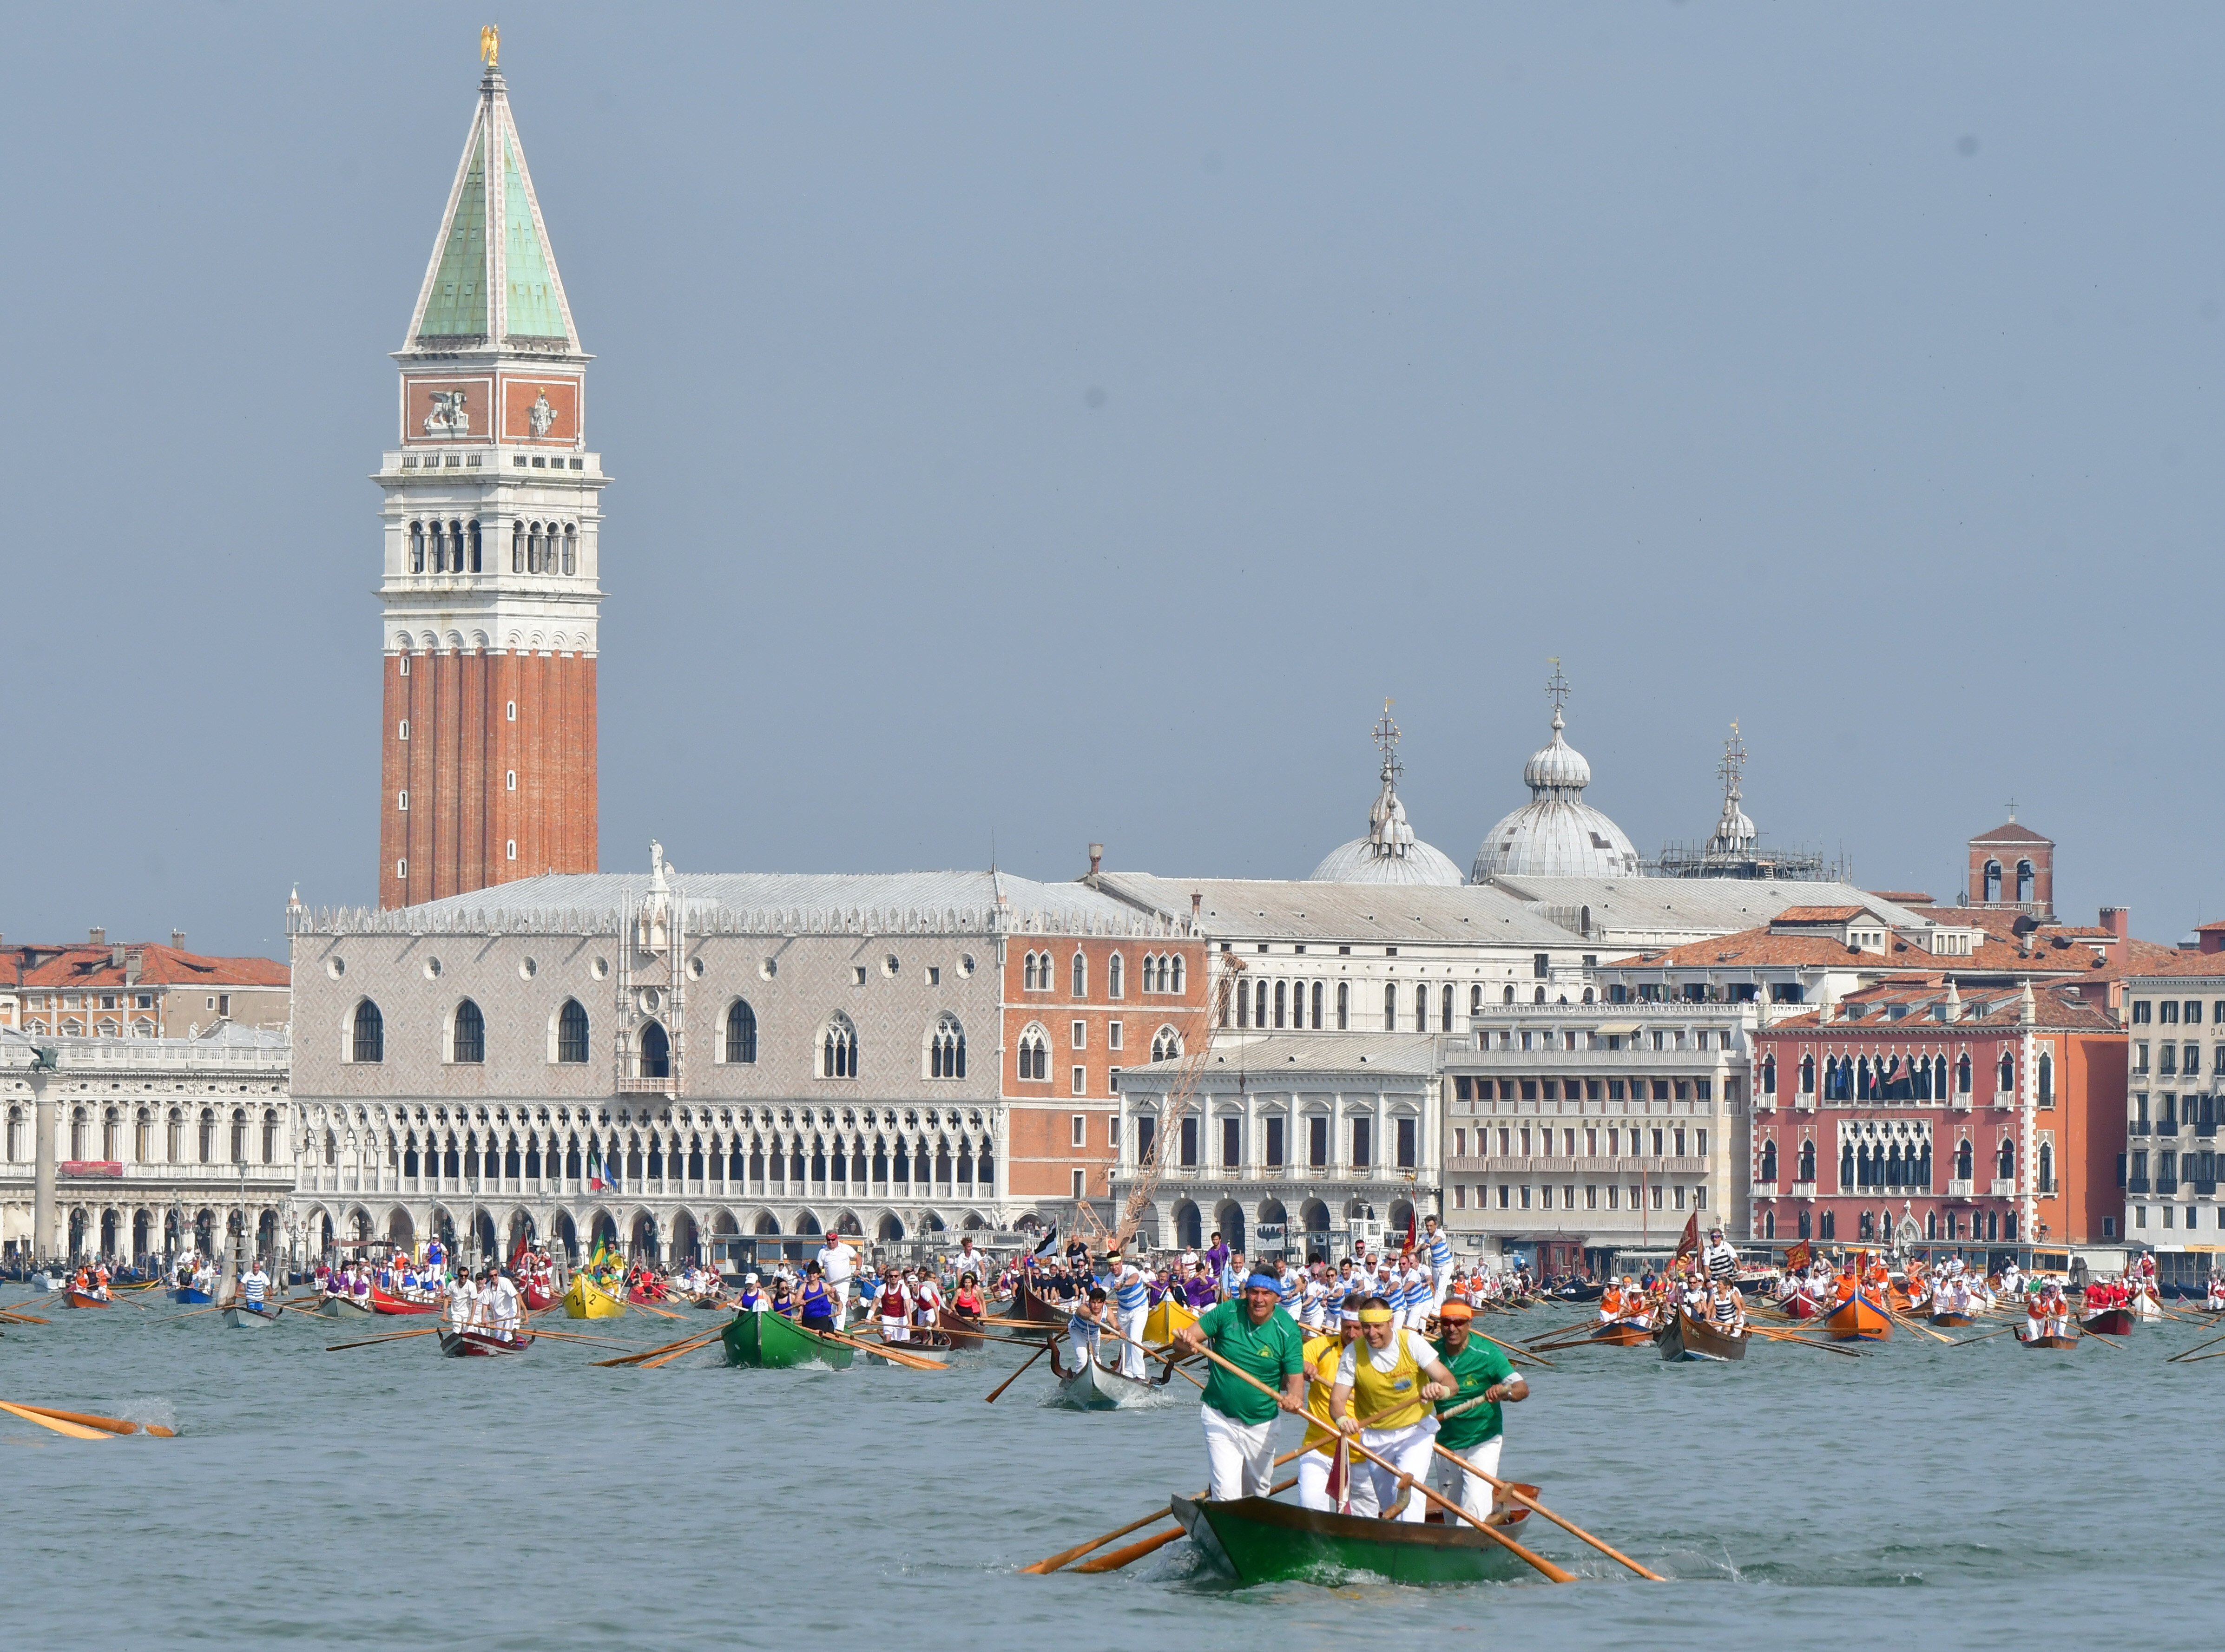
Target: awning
(1617, 1031)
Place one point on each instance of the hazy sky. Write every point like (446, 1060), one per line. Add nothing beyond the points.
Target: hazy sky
(1048, 423)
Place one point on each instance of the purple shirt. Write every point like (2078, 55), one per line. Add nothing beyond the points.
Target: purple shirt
(1200, 1292)
(1217, 1258)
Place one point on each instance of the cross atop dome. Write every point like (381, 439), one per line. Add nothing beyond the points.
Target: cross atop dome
(1556, 690)
(1386, 741)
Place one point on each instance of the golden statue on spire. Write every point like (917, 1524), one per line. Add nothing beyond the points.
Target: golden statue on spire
(490, 45)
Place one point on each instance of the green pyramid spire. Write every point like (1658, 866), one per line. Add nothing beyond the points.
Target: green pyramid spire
(456, 306)
(532, 308)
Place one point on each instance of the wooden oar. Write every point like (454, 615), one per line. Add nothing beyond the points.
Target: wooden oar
(1964, 1342)
(1535, 1507)
(23, 1318)
(113, 1424)
(1538, 1562)
(398, 1336)
(2106, 1342)
(1805, 1342)
(990, 1398)
(75, 1431)
(684, 1348)
(2183, 1352)
(915, 1362)
(636, 1358)
(1518, 1353)
(1936, 1336)
(575, 1336)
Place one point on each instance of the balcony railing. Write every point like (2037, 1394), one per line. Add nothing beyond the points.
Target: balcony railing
(1962, 1189)
(2004, 1187)
(2166, 1184)
(2203, 1189)
(2140, 1127)
(2136, 1184)
(1560, 1164)
(2166, 1127)
(2205, 1131)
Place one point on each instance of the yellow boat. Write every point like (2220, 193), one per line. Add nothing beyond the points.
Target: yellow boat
(1165, 1319)
(586, 1300)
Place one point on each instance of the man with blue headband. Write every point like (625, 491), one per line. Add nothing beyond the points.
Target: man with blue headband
(1255, 1335)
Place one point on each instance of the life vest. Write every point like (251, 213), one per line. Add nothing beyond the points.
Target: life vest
(1397, 1390)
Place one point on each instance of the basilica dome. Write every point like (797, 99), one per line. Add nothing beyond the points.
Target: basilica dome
(1390, 853)
(1556, 833)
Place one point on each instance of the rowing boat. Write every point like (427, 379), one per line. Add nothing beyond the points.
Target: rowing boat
(1035, 1308)
(536, 1298)
(385, 1302)
(187, 1296)
(774, 1342)
(1167, 1317)
(586, 1300)
(961, 1333)
(2060, 1344)
(1859, 1320)
(73, 1297)
(1257, 1540)
(238, 1316)
(345, 1307)
(1622, 1333)
(2109, 1321)
(459, 1345)
(1800, 1307)
(1093, 1387)
(1686, 1338)
(1952, 1320)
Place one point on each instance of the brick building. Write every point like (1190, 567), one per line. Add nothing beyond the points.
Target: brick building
(492, 527)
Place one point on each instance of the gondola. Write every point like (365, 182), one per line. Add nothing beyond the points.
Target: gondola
(1032, 1305)
(385, 1302)
(1859, 1320)
(586, 1300)
(459, 1344)
(1257, 1540)
(774, 1342)
(2059, 1343)
(345, 1307)
(1686, 1338)
(2109, 1322)
(73, 1297)
(238, 1316)
(1094, 1387)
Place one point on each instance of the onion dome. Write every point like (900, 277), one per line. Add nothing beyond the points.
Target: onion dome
(1557, 833)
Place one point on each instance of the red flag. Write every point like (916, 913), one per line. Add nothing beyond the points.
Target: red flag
(1690, 1242)
(1797, 1257)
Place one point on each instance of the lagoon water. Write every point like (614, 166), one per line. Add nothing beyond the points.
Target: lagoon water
(1920, 1497)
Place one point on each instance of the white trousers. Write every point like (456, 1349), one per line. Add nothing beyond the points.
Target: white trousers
(1456, 1484)
(1440, 1281)
(1084, 1344)
(1407, 1451)
(840, 1290)
(1313, 1483)
(895, 1330)
(1240, 1454)
(1131, 1356)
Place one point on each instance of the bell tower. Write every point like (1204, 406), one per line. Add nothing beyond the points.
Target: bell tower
(492, 524)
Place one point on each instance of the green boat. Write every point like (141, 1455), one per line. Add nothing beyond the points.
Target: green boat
(774, 1342)
(1257, 1540)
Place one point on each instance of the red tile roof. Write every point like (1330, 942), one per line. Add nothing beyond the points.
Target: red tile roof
(1818, 914)
(82, 964)
(2047, 955)
(2012, 833)
(1902, 897)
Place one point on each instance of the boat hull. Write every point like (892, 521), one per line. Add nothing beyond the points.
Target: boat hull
(240, 1317)
(345, 1308)
(1093, 1388)
(381, 1303)
(961, 1334)
(1801, 1308)
(1257, 1540)
(1687, 1339)
(586, 1300)
(1623, 1333)
(2110, 1322)
(187, 1296)
(1859, 1320)
(770, 1341)
(1036, 1309)
(537, 1300)
(79, 1299)
(1952, 1321)
(466, 1345)
(1166, 1318)
(2059, 1345)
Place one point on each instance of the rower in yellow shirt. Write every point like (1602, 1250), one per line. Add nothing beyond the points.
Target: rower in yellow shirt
(1321, 1355)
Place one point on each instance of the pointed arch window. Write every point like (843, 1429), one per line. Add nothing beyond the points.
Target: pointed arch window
(1965, 1162)
(1769, 1078)
(1769, 1162)
(2046, 1167)
(2005, 1160)
(1035, 1054)
(1166, 1044)
(367, 1042)
(517, 547)
(417, 548)
(946, 1048)
(741, 1032)
(2024, 885)
(572, 1033)
(1993, 882)
(838, 1048)
(2008, 1071)
(571, 548)
(1115, 975)
(1962, 1074)
(1080, 974)
(656, 1051)
(467, 1043)
(2047, 1077)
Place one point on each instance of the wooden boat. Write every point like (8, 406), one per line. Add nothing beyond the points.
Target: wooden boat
(345, 1307)
(73, 1297)
(1859, 1320)
(1953, 1320)
(774, 1342)
(641, 1298)
(586, 1300)
(1035, 1308)
(1093, 1387)
(961, 1334)
(1257, 1540)
(1579, 1292)
(2060, 1344)
(1166, 1318)
(1899, 1301)
(187, 1296)
(1686, 1338)
(1622, 1333)
(2109, 1321)
(238, 1316)
(1801, 1306)
(536, 1298)
(459, 1345)
(386, 1302)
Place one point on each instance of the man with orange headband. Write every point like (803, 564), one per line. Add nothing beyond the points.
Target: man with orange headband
(1388, 1380)
(1475, 1436)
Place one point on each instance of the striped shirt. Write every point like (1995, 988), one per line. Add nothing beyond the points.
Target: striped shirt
(1440, 1250)
(1130, 1289)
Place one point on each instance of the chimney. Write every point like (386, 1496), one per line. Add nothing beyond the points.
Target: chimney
(2118, 920)
(178, 940)
(135, 963)
(1096, 858)
(1196, 901)
(99, 936)
(116, 956)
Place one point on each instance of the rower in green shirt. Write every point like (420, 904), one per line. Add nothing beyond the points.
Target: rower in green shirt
(1257, 1336)
(1475, 1436)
